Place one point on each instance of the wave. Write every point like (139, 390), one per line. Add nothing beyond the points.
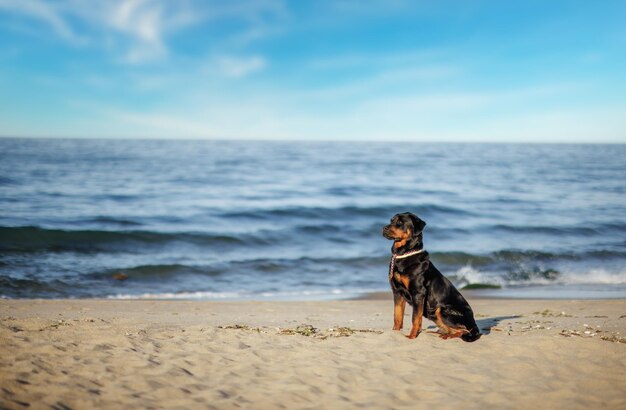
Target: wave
(594, 276)
(279, 278)
(324, 213)
(107, 220)
(513, 257)
(468, 275)
(32, 238)
(461, 258)
(149, 272)
(28, 288)
(315, 294)
(6, 181)
(517, 268)
(600, 228)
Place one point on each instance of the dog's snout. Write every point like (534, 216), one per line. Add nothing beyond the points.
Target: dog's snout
(386, 231)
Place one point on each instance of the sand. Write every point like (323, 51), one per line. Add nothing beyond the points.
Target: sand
(81, 354)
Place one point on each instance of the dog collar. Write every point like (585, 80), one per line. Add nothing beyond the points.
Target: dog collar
(406, 255)
(395, 256)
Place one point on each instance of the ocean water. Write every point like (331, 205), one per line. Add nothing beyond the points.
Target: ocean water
(295, 220)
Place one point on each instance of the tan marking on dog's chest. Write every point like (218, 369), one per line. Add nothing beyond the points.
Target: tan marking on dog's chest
(404, 279)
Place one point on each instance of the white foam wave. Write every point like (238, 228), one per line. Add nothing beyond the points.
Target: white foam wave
(469, 275)
(594, 276)
(178, 295)
(296, 295)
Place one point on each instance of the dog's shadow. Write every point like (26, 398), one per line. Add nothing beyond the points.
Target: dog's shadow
(485, 325)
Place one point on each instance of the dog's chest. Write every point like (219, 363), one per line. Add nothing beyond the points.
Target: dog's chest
(401, 280)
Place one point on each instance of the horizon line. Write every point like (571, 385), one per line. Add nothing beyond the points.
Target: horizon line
(306, 140)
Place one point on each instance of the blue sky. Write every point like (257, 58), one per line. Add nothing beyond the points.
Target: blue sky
(503, 71)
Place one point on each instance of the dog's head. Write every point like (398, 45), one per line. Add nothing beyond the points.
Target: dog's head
(405, 228)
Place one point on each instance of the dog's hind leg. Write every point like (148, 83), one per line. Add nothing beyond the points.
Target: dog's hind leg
(445, 331)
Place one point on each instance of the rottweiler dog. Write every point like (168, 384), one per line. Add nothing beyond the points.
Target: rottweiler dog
(414, 279)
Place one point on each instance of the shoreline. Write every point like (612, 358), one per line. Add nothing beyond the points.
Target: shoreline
(104, 353)
(535, 292)
(493, 294)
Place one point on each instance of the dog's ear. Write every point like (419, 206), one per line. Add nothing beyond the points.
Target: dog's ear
(418, 224)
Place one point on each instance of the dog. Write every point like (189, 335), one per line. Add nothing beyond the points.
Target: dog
(414, 279)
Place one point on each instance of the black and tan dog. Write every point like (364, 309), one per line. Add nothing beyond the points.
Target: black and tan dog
(414, 279)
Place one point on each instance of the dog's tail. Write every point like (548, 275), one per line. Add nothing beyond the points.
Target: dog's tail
(472, 336)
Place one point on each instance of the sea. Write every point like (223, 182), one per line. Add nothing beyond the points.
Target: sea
(263, 220)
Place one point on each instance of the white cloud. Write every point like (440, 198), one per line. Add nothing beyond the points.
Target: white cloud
(238, 67)
(143, 22)
(136, 31)
(45, 12)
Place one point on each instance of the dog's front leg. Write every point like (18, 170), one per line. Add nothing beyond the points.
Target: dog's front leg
(398, 311)
(418, 312)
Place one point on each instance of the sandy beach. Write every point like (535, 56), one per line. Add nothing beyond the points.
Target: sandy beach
(82, 354)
